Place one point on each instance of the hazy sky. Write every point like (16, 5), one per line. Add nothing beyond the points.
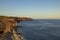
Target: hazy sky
(31, 8)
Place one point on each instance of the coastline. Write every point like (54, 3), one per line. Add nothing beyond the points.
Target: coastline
(8, 23)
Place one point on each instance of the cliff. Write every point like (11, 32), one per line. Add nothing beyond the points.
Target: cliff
(8, 22)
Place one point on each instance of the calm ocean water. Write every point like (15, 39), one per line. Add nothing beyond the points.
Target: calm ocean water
(40, 29)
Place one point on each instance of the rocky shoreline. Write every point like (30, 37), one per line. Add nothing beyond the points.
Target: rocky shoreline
(8, 23)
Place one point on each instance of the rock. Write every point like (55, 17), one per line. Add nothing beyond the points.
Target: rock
(8, 22)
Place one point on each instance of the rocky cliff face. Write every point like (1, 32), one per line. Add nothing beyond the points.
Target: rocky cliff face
(8, 22)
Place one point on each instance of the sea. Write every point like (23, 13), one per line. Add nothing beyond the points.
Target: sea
(40, 29)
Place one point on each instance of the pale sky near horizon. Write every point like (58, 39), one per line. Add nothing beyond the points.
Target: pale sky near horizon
(31, 8)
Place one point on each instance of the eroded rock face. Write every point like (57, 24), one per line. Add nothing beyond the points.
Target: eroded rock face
(7, 22)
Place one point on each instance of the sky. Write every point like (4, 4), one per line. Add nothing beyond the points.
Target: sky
(40, 9)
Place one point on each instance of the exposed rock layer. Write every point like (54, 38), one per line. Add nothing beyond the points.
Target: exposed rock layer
(9, 22)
